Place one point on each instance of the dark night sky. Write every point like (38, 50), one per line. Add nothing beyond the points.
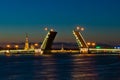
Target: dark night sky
(100, 18)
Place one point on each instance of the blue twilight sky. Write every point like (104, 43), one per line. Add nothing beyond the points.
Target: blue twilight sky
(100, 18)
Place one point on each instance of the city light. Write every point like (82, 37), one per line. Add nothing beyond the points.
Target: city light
(117, 47)
(88, 43)
(83, 46)
(80, 28)
(46, 29)
(51, 30)
(98, 47)
(36, 44)
(8, 46)
(92, 44)
(16, 46)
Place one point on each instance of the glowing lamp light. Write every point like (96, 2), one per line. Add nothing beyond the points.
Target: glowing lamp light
(82, 29)
(7, 51)
(78, 28)
(88, 43)
(51, 30)
(36, 44)
(8, 46)
(16, 46)
(46, 29)
(93, 44)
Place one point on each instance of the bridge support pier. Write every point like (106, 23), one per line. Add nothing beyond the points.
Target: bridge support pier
(84, 50)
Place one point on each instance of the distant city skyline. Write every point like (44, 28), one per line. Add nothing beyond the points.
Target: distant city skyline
(100, 18)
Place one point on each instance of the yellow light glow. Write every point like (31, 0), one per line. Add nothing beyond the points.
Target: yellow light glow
(51, 30)
(8, 46)
(7, 51)
(82, 29)
(88, 43)
(16, 46)
(36, 44)
(93, 44)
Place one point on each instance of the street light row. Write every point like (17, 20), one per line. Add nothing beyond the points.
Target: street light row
(8, 46)
(93, 44)
(77, 28)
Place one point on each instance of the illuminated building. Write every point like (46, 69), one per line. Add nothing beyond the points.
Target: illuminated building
(26, 43)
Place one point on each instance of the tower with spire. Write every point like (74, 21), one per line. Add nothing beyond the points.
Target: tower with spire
(26, 43)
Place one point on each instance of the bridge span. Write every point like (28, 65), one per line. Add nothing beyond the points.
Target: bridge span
(80, 41)
(46, 46)
(37, 51)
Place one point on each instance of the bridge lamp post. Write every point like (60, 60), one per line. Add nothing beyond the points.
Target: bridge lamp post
(88, 43)
(36, 45)
(93, 44)
(51, 30)
(8, 46)
(46, 29)
(80, 28)
(16, 46)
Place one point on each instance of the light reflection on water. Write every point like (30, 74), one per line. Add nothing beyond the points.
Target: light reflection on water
(59, 67)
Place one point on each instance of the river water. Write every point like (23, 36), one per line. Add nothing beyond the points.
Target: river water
(60, 67)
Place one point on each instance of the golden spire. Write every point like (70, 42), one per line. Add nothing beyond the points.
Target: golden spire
(26, 42)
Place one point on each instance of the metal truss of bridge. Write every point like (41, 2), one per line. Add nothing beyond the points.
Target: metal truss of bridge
(80, 41)
(48, 41)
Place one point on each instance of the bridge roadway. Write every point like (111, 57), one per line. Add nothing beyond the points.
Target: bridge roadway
(92, 50)
(104, 50)
(16, 51)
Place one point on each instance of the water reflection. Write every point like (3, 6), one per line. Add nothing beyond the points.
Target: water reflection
(64, 67)
(60, 67)
(84, 68)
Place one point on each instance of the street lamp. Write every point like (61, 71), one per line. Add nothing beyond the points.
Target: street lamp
(36, 45)
(88, 43)
(46, 29)
(91, 44)
(8, 46)
(51, 30)
(80, 28)
(16, 46)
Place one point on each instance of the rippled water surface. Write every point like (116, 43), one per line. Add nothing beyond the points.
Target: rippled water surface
(60, 67)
